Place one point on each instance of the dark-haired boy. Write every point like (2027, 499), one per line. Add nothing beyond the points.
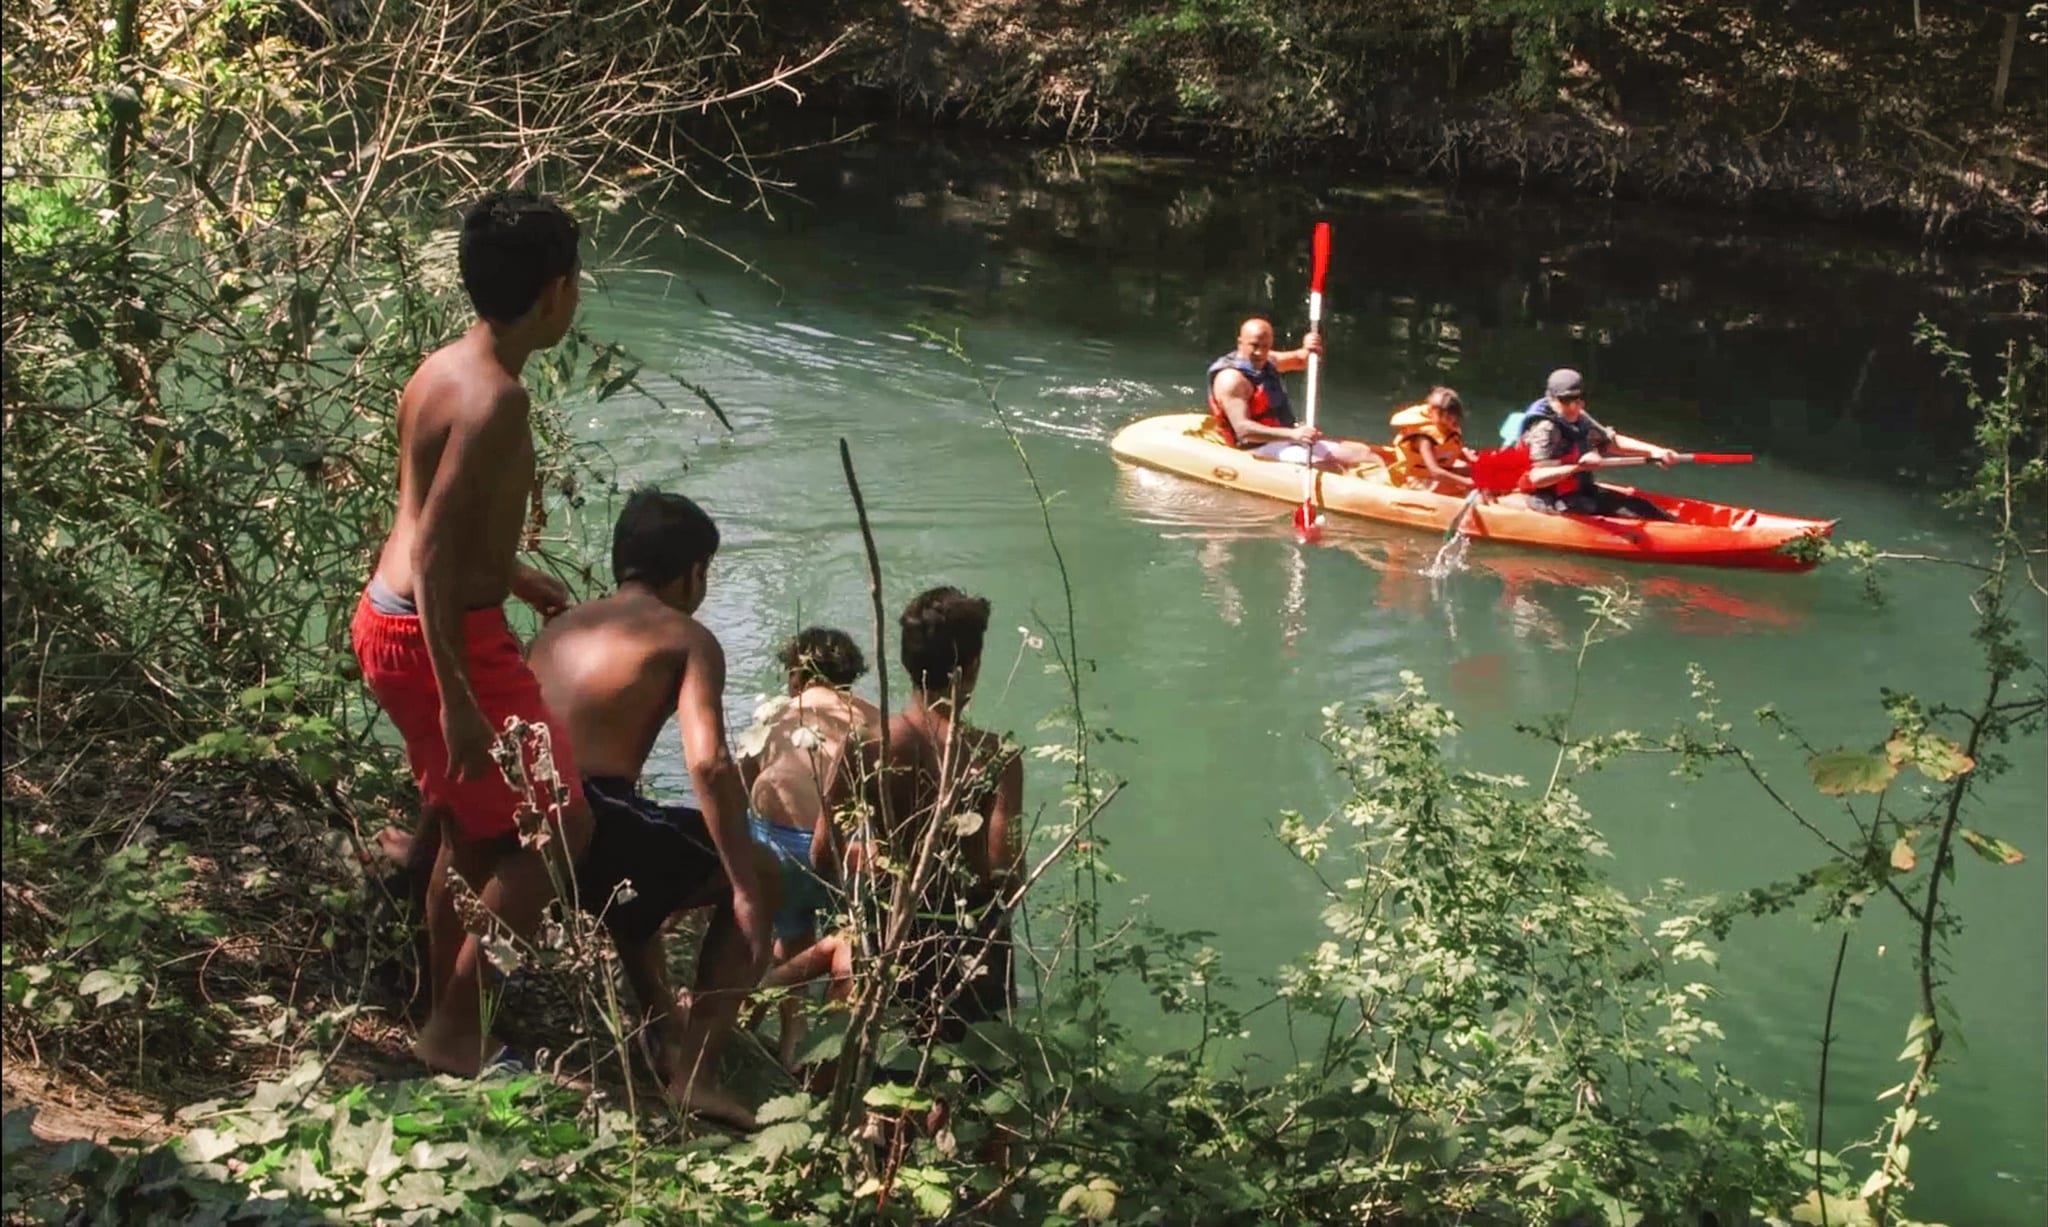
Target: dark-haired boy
(614, 669)
(786, 783)
(430, 630)
(958, 957)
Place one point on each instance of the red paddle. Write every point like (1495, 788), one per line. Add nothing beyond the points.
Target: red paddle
(1308, 521)
(1497, 470)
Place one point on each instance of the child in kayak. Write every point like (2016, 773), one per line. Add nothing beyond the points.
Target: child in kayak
(785, 780)
(1430, 440)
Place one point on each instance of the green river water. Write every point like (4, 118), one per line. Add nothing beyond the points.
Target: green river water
(1093, 290)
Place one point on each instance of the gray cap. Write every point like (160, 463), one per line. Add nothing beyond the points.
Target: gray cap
(1565, 381)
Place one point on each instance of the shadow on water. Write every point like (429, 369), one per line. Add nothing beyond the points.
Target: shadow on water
(1537, 592)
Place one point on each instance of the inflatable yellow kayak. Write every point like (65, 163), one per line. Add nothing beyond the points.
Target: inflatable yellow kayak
(1705, 534)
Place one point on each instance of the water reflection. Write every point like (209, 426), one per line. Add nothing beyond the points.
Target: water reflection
(1538, 594)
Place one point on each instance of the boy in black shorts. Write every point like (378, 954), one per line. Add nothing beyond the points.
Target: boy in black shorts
(611, 671)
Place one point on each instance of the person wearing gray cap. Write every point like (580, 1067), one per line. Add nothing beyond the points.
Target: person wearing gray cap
(1562, 437)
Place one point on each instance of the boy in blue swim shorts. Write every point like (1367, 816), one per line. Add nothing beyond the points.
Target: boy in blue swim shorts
(786, 779)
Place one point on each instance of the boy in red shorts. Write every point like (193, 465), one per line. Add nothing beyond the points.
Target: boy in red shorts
(430, 630)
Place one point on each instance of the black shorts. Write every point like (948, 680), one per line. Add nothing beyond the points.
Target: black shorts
(1599, 501)
(665, 851)
(956, 968)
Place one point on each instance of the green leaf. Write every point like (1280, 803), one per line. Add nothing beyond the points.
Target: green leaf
(1840, 772)
(892, 1095)
(1094, 1201)
(488, 1166)
(201, 924)
(786, 1107)
(204, 1145)
(108, 985)
(300, 1175)
(997, 1103)
(1835, 1211)
(778, 1140)
(824, 1044)
(425, 1191)
(1991, 848)
(318, 766)
(928, 1188)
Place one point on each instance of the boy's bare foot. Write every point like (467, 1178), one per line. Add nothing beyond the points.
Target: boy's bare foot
(700, 1097)
(439, 1049)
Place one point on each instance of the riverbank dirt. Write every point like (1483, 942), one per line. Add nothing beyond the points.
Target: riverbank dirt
(1839, 113)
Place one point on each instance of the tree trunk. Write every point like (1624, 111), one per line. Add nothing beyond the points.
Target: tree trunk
(1916, 16)
(2012, 35)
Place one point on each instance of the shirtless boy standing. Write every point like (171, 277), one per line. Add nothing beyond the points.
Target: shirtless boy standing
(614, 668)
(786, 783)
(430, 630)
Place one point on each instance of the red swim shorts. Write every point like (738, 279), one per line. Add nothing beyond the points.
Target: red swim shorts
(400, 673)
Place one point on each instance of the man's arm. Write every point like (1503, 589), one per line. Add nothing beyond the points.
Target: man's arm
(1626, 446)
(1545, 443)
(1297, 359)
(700, 709)
(448, 539)
(547, 595)
(1234, 393)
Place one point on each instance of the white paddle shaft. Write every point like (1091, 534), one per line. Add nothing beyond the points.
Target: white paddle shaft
(1315, 325)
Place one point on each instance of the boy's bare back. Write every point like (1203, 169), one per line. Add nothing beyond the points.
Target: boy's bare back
(612, 669)
(465, 459)
(786, 780)
(984, 777)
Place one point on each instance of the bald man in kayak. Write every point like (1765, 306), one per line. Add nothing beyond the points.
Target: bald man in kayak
(1249, 404)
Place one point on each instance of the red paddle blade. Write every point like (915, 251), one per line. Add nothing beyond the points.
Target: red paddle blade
(1721, 458)
(1321, 247)
(1308, 523)
(1499, 470)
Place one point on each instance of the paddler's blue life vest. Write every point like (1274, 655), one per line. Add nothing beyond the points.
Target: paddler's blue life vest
(1578, 437)
(1270, 406)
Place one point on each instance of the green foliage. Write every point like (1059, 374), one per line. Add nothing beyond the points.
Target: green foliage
(1891, 838)
(1527, 1032)
(1495, 1033)
(1285, 74)
(130, 915)
(283, 721)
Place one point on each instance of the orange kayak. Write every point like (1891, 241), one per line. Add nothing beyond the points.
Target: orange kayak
(1704, 534)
